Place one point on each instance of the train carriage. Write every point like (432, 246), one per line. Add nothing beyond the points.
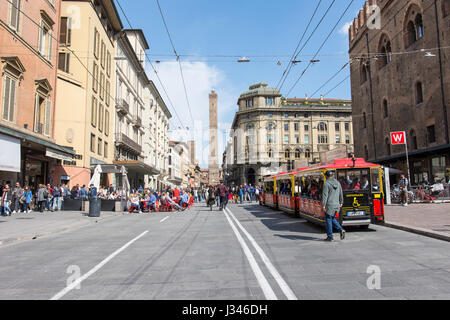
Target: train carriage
(269, 192)
(362, 188)
(286, 192)
(300, 192)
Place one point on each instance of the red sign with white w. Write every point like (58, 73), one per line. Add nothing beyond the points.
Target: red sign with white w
(398, 137)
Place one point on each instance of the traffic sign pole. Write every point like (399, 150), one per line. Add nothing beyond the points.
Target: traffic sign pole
(407, 161)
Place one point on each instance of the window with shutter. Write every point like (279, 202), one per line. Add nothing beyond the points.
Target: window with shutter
(14, 14)
(6, 98)
(48, 117)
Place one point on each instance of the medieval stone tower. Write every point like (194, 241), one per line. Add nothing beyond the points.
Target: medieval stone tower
(213, 135)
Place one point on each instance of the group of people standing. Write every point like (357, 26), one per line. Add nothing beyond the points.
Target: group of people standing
(221, 195)
(44, 198)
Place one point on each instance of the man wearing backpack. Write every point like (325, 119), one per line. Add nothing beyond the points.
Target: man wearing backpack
(42, 197)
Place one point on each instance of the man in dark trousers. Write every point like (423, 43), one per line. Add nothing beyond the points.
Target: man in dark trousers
(332, 201)
(222, 191)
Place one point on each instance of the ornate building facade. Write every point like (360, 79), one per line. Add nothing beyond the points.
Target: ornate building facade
(272, 134)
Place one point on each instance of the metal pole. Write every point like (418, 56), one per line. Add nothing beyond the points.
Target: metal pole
(407, 161)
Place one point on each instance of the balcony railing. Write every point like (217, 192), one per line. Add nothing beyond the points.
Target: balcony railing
(123, 140)
(122, 106)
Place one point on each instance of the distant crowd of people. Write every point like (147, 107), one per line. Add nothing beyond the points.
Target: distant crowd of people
(43, 198)
(51, 197)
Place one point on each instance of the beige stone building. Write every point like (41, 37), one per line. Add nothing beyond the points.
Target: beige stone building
(272, 134)
(401, 82)
(179, 164)
(85, 97)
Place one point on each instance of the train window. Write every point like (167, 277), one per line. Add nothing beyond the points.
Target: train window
(376, 181)
(313, 187)
(285, 188)
(269, 187)
(354, 179)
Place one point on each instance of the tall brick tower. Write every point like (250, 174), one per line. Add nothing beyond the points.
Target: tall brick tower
(213, 135)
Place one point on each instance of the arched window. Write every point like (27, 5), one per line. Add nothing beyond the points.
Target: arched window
(270, 153)
(385, 51)
(323, 126)
(364, 120)
(364, 70)
(419, 93)
(419, 26)
(413, 140)
(287, 154)
(271, 126)
(366, 152)
(411, 34)
(385, 109)
(297, 154)
(250, 126)
(413, 25)
(307, 154)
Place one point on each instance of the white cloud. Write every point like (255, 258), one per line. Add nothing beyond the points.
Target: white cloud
(344, 29)
(200, 79)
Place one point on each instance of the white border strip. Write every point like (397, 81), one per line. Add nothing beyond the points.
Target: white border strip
(276, 275)
(74, 284)
(263, 283)
(164, 219)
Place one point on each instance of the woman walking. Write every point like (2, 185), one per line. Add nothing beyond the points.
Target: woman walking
(211, 197)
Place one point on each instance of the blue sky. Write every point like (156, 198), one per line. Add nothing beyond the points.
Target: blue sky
(244, 28)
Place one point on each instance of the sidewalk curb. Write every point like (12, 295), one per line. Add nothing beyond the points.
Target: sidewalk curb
(424, 232)
(60, 230)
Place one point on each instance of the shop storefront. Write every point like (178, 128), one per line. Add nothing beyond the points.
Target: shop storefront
(426, 166)
(28, 159)
(137, 173)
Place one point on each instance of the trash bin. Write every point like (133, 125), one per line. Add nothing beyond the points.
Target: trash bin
(94, 207)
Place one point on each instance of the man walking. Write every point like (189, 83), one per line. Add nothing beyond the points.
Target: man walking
(17, 193)
(222, 191)
(403, 185)
(332, 201)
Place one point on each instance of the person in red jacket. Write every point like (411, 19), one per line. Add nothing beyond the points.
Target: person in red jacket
(176, 193)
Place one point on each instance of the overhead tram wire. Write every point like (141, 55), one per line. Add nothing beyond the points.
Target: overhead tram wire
(154, 70)
(178, 60)
(309, 38)
(326, 94)
(329, 80)
(322, 45)
(298, 45)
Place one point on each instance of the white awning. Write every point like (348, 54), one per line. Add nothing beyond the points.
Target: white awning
(57, 155)
(10, 154)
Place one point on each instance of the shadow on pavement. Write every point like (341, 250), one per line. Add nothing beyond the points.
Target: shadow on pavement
(291, 237)
(280, 221)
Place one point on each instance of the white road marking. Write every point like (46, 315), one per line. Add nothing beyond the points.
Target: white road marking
(276, 275)
(164, 219)
(263, 283)
(76, 283)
